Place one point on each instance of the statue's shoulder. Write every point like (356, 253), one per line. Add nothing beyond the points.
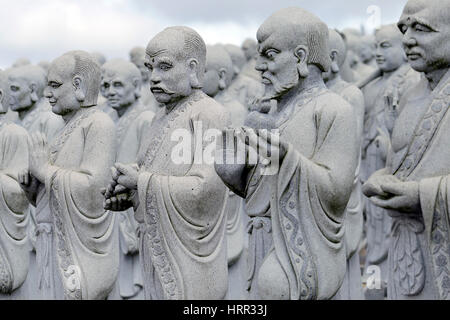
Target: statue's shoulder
(13, 129)
(209, 109)
(100, 120)
(333, 104)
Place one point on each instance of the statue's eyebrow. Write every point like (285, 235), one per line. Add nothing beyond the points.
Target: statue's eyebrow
(424, 23)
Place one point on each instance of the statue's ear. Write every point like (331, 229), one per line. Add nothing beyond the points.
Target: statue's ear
(33, 95)
(302, 52)
(78, 84)
(236, 70)
(193, 66)
(222, 78)
(334, 61)
(137, 87)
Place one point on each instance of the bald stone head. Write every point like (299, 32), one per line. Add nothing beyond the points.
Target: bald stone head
(389, 49)
(366, 48)
(176, 58)
(237, 57)
(292, 44)
(219, 70)
(21, 62)
(338, 53)
(99, 57)
(121, 83)
(249, 46)
(26, 86)
(426, 34)
(73, 82)
(137, 56)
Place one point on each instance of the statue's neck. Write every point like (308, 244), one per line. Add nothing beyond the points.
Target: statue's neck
(314, 79)
(24, 113)
(70, 115)
(172, 105)
(435, 77)
(334, 79)
(124, 110)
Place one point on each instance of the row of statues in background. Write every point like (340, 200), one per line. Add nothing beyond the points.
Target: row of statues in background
(93, 205)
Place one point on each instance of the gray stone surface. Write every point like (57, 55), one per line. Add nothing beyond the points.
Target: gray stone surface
(308, 256)
(413, 185)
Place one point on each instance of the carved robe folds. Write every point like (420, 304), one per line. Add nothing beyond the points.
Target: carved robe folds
(307, 199)
(419, 254)
(77, 248)
(14, 208)
(181, 211)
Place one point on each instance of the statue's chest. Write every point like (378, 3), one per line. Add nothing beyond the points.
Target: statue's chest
(407, 122)
(301, 131)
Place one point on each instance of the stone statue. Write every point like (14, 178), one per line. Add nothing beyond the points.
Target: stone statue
(360, 69)
(178, 200)
(300, 203)
(26, 96)
(237, 58)
(77, 244)
(137, 56)
(413, 187)
(243, 88)
(367, 51)
(14, 205)
(397, 76)
(250, 51)
(21, 62)
(99, 58)
(121, 85)
(352, 287)
(45, 65)
(218, 75)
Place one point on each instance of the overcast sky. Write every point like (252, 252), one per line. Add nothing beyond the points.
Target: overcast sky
(44, 29)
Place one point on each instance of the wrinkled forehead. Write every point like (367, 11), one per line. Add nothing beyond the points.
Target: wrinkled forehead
(433, 13)
(168, 44)
(61, 69)
(281, 37)
(117, 74)
(389, 33)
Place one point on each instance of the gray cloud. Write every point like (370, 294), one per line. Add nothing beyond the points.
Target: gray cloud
(44, 29)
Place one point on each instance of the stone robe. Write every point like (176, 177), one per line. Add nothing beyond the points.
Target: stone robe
(14, 211)
(306, 200)
(351, 289)
(235, 213)
(181, 212)
(419, 253)
(131, 129)
(77, 246)
(378, 222)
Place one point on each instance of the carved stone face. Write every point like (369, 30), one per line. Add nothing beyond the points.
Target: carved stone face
(140, 63)
(389, 49)
(118, 89)
(426, 31)
(19, 93)
(211, 81)
(278, 66)
(169, 76)
(60, 90)
(249, 48)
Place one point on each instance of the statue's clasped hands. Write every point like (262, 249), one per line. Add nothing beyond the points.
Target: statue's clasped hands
(120, 192)
(388, 192)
